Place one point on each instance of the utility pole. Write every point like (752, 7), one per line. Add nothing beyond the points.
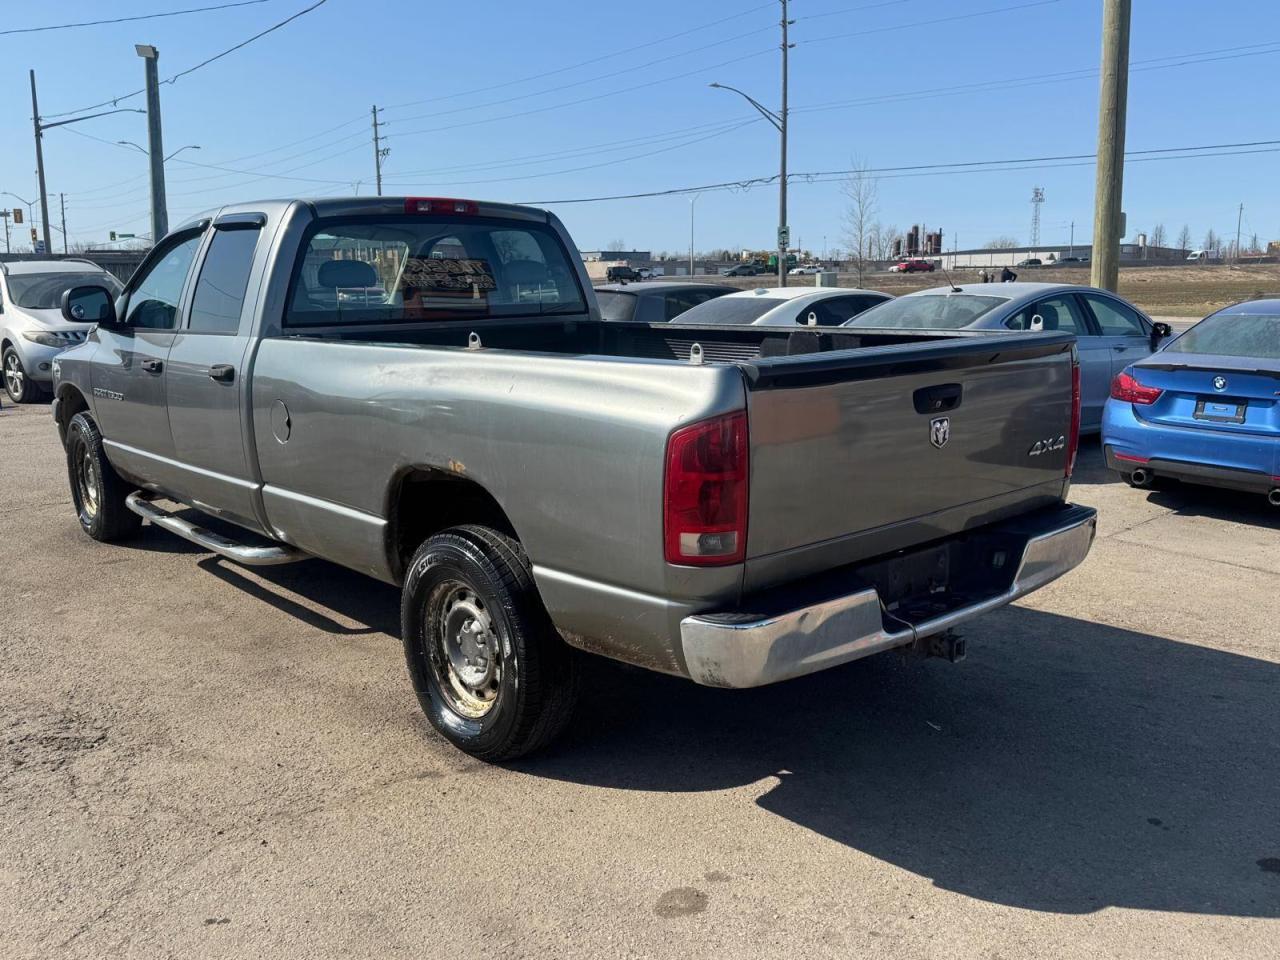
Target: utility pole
(1071, 251)
(62, 204)
(692, 200)
(6, 214)
(784, 234)
(44, 200)
(155, 143)
(379, 152)
(1108, 218)
(1239, 218)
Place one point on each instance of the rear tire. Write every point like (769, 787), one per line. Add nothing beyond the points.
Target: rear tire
(96, 489)
(490, 671)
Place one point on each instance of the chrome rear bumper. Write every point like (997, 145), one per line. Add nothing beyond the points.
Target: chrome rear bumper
(741, 650)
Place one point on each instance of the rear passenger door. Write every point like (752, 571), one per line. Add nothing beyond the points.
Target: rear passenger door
(204, 377)
(1121, 328)
(1066, 313)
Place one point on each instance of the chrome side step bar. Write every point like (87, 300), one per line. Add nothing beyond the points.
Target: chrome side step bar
(140, 503)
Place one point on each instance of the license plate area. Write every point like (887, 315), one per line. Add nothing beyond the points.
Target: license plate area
(1218, 410)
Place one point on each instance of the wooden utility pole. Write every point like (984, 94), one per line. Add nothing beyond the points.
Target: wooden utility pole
(1108, 220)
(379, 151)
(44, 200)
(784, 231)
(62, 206)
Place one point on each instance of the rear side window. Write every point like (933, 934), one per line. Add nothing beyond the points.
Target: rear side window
(417, 268)
(224, 276)
(616, 306)
(677, 303)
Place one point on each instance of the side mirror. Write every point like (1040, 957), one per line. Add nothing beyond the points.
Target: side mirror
(89, 304)
(1037, 323)
(1160, 331)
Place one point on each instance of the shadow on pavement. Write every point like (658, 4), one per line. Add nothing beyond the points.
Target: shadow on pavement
(1066, 766)
(1190, 500)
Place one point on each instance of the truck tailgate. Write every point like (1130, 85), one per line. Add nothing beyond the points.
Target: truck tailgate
(858, 453)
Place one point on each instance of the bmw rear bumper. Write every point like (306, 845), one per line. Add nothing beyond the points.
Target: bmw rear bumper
(1250, 481)
(789, 632)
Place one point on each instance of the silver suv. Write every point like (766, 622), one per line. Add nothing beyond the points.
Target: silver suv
(32, 330)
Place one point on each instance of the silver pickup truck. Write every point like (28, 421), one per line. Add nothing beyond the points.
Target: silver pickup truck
(421, 389)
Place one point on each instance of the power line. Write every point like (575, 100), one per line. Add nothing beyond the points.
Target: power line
(933, 21)
(144, 16)
(203, 63)
(934, 169)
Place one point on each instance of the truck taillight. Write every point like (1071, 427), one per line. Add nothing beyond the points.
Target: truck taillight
(705, 493)
(440, 205)
(1073, 438)
(1129, 389)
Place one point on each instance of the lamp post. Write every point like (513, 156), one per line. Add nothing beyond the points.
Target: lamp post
(29, 204)
(692, 202)
(140, 149)
(779, 121)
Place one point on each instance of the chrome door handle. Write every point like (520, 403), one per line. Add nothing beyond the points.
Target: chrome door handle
(222, 372)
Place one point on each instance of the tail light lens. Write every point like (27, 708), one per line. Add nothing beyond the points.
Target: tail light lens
(1126, 388)
(1073, 437)
(705, 511)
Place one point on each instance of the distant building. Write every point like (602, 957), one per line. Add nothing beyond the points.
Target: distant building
(1049, 254)
(617, 256)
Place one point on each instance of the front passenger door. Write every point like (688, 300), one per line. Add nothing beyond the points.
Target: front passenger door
(127, 373)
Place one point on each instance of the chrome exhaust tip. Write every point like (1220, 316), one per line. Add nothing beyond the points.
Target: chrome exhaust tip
(1141, 477)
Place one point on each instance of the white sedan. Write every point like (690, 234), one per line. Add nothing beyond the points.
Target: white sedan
(804, 271)
(784, 306)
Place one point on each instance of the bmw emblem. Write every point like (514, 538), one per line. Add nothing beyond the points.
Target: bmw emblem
(940, 431)
(1219, 383)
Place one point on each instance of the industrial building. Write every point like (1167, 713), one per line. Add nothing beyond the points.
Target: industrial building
(1050, 254)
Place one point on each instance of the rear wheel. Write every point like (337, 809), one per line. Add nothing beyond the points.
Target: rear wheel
(490, 671)
(96, 489)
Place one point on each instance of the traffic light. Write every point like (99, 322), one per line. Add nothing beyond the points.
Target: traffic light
(34, 238)
(17, 214)
(113, 235)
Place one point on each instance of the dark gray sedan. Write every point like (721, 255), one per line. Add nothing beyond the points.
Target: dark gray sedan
(654, 302)
(1112, 332)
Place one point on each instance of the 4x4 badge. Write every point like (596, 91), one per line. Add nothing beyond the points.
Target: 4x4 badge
(940, 431)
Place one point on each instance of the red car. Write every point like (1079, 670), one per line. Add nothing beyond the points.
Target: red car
(914, 265)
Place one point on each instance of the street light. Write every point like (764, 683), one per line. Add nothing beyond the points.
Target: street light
(692, 200)
(779, 121)
(130, 143)
(30, 216)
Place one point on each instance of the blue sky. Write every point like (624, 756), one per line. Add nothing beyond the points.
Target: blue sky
(480, 102)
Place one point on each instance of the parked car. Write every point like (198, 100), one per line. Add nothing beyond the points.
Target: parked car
(740, 270)
(1030, 262)
(785, 306)
(655, 302)
(648, 273)
(912, 265)
(1203, 409)
(615, 274)
(537, 480)
(1073, 261)
(1111, 332)
(808, 269)
(32, 328)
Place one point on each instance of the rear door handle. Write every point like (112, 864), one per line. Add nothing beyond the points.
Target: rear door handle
(944, 396)
(222, 372)
(152, 365)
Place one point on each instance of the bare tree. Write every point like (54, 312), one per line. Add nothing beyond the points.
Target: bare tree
(862, 193)
(614, 246)
(1253, 244)
(1157, 235)
(1211, 241)
(1184, 238)
(995, 243)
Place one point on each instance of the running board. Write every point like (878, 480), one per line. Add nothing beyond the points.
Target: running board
(140, 503)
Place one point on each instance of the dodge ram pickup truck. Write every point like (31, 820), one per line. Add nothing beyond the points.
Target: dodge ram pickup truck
(422, 390)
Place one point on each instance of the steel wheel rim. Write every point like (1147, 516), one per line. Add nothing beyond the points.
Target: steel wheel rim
(13, 374)
(87, 482)
(464, 649)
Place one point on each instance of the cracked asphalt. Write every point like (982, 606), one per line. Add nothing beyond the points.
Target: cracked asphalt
(199, 760)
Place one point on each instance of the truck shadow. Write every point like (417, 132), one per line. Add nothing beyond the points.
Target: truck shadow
(1067, 766)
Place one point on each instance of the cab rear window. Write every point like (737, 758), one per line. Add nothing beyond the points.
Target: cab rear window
(413, 269)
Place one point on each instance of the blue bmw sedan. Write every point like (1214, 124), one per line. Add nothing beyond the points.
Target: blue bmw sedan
(1206, 408)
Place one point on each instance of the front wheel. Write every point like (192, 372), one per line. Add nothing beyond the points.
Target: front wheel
(490, 671)
(96, 489)
(17, 384)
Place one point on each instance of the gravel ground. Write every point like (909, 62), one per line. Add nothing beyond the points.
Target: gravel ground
(199, 760)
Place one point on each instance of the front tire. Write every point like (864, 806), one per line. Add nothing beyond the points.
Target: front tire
(17, 384)
(490, 671)
(96, 489)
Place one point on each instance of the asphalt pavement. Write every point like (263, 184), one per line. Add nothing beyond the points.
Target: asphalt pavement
(200, 760)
